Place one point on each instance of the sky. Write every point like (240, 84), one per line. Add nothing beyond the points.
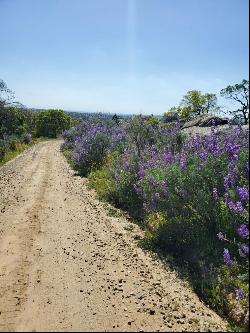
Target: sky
(123, 56)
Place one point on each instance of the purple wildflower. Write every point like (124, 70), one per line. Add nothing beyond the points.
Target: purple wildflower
(141, 172)
(240, 293)
(243, 231)
(238, 207)
(183, 162)
(244, 250)
(226, 182)
(215, 193)
(166, 157)
(231, 205)
(227, 258)
(243, 193)
(126, 165)
(220, 236)
(136, 188)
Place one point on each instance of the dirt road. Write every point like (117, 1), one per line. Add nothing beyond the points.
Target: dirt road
(66, 265)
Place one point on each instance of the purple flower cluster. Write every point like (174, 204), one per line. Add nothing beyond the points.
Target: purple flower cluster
(198, 181)
(227, 258)
(240, 293)
(91, 140)
(243, 231)
(243, 193)
(220, 235)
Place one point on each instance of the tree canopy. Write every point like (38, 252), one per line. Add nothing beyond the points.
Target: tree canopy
(52, 122)
(240, 94)
(193, 104)
(6, 95)
(12, 122)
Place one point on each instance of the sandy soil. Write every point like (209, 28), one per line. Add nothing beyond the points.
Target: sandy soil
(66, 265)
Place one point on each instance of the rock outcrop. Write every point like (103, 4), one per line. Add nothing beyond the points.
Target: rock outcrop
(206, 121)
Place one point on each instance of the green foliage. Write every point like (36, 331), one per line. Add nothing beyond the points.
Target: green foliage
(118, 191)
(12, 122)
(18, 125)
(240, 94)
(195, 104)
(101, 182)
(6, 95)
(51, 123)
(9, 150)
(173, 114)
(30, 120)
(142, 131)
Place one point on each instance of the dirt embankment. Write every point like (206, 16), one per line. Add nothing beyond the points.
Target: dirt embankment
(66, 265)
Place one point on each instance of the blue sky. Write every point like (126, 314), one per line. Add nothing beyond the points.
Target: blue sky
(128, 56)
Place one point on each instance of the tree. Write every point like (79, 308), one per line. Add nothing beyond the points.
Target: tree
(6, 95)
(194, 103)
(239, 93)
(12, 122)
(172, 114)
(116, 119)
(51, 123)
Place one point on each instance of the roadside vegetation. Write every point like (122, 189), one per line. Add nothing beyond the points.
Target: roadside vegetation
(189, 192)
(20, 127)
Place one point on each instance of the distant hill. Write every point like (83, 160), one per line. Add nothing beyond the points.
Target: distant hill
(86, 114)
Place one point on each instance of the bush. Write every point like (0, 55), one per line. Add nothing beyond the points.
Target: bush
(11, 122)
(90, 142)
(51, 123)
(26, 138)
(171, 116)
(191, 194)
(3, 148)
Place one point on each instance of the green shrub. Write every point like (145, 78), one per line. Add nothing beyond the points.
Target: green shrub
(51, 123)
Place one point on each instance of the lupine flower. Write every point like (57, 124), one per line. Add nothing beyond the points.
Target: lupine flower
(244, 250)
(166, 157)
(141, 172)
(126, 165)
(136, 188)
(243, 193)
(183, 162)
(231, 205)
(155, 197)
(220, 235)
(215, 193)
(240, 293)
(238, 207)
(226, 182)
(160, 157)
(227, 258)
(243, 231)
